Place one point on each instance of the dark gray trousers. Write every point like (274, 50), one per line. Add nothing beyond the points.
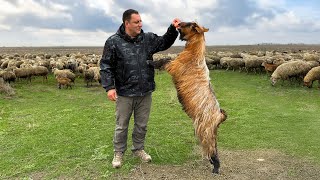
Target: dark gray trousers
(125, 106)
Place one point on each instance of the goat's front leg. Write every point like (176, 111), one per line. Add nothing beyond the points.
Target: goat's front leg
(215, 162)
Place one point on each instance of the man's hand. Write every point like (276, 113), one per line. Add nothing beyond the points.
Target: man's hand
(176, 22)
(112, 95)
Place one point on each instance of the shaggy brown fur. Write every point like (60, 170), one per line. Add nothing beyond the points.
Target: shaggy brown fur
(63, 81)
(190, 75)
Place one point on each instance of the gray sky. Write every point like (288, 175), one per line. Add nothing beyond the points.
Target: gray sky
(91, 22)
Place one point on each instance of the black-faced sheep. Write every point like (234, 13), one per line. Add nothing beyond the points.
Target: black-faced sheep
(312, 75)
(290, 69)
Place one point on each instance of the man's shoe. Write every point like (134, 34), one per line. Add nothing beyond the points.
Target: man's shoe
(143, 155)
(117, 160)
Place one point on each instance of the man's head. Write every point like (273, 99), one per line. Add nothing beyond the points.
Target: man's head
(132, 22)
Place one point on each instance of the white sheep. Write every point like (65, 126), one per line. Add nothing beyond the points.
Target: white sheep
(290, 69)
(312, 75)
(232, 63)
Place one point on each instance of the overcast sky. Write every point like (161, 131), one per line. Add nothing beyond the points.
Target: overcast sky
(91, 22)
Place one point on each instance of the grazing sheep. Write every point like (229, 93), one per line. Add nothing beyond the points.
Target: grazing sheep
(24, 73)
(253, 63)
(160, 63)
(190, 75)
(232, 63)
(88, 76)
(312, 75)
(310, 57)
(313, 63)
(92, 74)
(4, 64)
(96, 71)
(290, 69)
(213, 61)
(41, 71)
(63, 81)
(8, 76)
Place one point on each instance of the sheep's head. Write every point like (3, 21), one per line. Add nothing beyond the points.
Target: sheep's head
(308, 84)
(188, 29)
(273, 80)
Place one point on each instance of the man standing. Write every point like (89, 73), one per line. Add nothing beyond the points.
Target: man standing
(127, 74)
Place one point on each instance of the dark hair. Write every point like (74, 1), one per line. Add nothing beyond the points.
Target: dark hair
(127, 14)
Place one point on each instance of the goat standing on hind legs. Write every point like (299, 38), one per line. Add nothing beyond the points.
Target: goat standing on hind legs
(190, 75)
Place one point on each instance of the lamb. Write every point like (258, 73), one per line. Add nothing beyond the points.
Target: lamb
(312, 75)
(190, 75)
(290, 69)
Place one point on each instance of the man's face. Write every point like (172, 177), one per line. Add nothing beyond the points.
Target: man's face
(133, 27)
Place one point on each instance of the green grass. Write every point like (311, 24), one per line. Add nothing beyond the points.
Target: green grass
(50, 133)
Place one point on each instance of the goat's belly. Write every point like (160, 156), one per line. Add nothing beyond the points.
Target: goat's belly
(197, 98)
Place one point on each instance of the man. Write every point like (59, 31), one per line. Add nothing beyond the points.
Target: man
(127, 74)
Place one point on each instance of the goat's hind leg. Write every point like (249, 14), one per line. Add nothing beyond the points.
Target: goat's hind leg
(214, 160)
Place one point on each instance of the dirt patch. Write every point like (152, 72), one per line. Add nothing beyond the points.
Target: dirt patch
(261, 164)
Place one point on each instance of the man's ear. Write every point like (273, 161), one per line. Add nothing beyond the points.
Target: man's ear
(126, 22)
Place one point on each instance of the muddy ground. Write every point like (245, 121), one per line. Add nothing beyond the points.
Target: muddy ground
(239, 165)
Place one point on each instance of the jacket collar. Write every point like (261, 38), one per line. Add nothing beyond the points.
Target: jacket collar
(122, 33)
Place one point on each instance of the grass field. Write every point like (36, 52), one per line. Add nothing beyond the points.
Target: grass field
(47, 132)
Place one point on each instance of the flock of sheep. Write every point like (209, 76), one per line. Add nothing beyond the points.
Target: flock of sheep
(298, 65)
(302, 66)
(66, 68)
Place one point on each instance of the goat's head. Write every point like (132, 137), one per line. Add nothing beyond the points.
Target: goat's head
(189, 29)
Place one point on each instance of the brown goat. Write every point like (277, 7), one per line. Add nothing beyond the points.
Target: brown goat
(63, 81)
(269, 67)
(190, 75)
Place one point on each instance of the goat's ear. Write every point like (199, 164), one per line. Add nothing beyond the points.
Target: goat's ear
(201, 29)
(198, 29)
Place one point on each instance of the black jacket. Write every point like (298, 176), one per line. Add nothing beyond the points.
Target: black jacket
(127, 64)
